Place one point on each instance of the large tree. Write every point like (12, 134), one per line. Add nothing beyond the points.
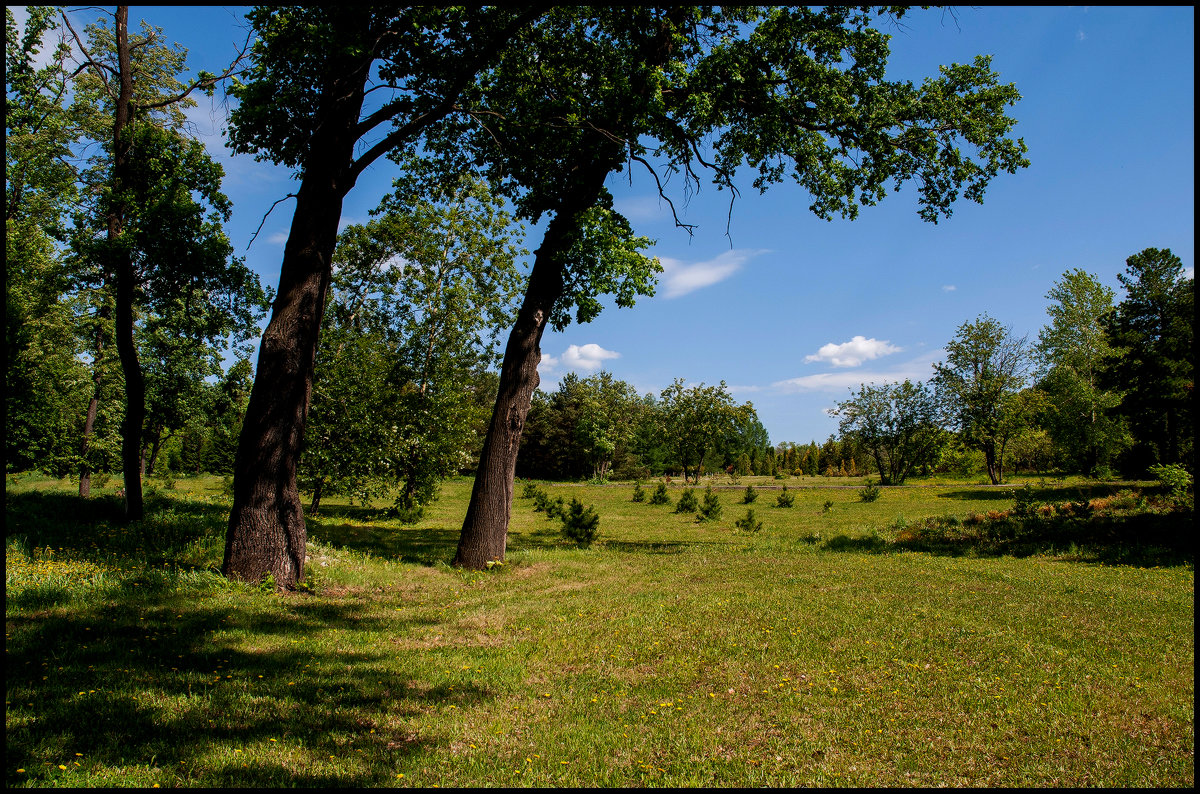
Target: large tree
(303, 104)
(1073, 349)
(897, 423)
(1153, 332)
(785, 91)
(982, 383)
(156, 197)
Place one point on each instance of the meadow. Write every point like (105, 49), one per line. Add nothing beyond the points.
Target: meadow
(923, 639)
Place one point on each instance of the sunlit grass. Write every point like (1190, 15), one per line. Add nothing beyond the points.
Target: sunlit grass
(672, 652)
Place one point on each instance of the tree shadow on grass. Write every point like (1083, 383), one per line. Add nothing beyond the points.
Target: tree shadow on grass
(424, 545)
(162, 680)
(1047, 493)
(1164, 539)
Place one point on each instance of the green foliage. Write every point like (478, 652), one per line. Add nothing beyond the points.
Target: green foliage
(826, 507)
(580, 524)
(710, 508)
(698, 419)
(1176, 481)
(748, 523)
(898, 423)
(639, 493)
(1025, 503)
(750, 495)
(785, 499)
(870, 492)
(981, 385)
(1152, 335)
(529, 490)
(687, 502)
(660, 496)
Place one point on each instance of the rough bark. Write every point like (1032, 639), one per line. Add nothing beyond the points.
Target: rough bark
(267, 534)
(485, 529)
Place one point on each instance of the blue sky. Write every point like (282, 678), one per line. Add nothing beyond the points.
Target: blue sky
(792, 311)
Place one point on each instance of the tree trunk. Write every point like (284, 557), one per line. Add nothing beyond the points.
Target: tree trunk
(89, 424)
(267, 535)
(316, 500)
(485, 529)
(123, 270)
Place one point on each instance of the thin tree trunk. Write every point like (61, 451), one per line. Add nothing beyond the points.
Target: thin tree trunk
(89, 424)
(122, 265)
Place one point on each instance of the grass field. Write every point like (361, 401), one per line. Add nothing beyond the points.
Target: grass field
(859, 645)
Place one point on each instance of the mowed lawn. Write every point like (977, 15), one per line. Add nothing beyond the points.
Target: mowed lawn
(817, 651)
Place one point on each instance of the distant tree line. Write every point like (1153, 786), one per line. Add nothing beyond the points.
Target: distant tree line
(1106, 388)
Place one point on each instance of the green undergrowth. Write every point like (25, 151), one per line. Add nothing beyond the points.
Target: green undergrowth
(938, 635)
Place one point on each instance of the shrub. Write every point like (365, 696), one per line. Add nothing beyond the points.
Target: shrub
(659, 497)
(785, 499)
(750, 495)
(687, 502)
(870, 492)
(580, 524)
(825, 508)
(556, 508)
(529, 490)
(748, 523)
(780, 474)
(1176, 481)
(710, 510)
(1025, 504)
(541, 501)
(639, 493)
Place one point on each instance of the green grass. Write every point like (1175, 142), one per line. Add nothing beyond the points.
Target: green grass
(856, 647)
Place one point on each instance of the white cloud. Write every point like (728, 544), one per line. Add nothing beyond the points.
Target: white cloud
(854, 352)
(278, 238)
(589, 357)
(680, 277)
(948, 288)
(918, 369)
(641, 208)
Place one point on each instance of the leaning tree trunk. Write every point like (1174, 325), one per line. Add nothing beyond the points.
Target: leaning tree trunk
(267, 535)
(485, 528)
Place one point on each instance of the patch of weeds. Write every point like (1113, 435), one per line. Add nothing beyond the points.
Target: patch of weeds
(828, 506)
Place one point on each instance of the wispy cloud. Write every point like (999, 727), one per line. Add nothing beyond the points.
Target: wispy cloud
(917, 369)
(681, 277)
(948, 288)
(854, 352)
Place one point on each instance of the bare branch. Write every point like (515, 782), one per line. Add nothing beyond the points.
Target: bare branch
(688, 227)
(264, 218)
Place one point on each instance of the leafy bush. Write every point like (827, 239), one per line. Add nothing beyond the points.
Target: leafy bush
(529, 490)
(870, 492)
(1025, 504)
(780, 474)
(785, 499)
(1176, 481)
(556, 508)
(710, 510)
(639, 493)
(748, 523)
(687, 502)
(541, 501)
(660, 497)
(750, 495)
(580, 524)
